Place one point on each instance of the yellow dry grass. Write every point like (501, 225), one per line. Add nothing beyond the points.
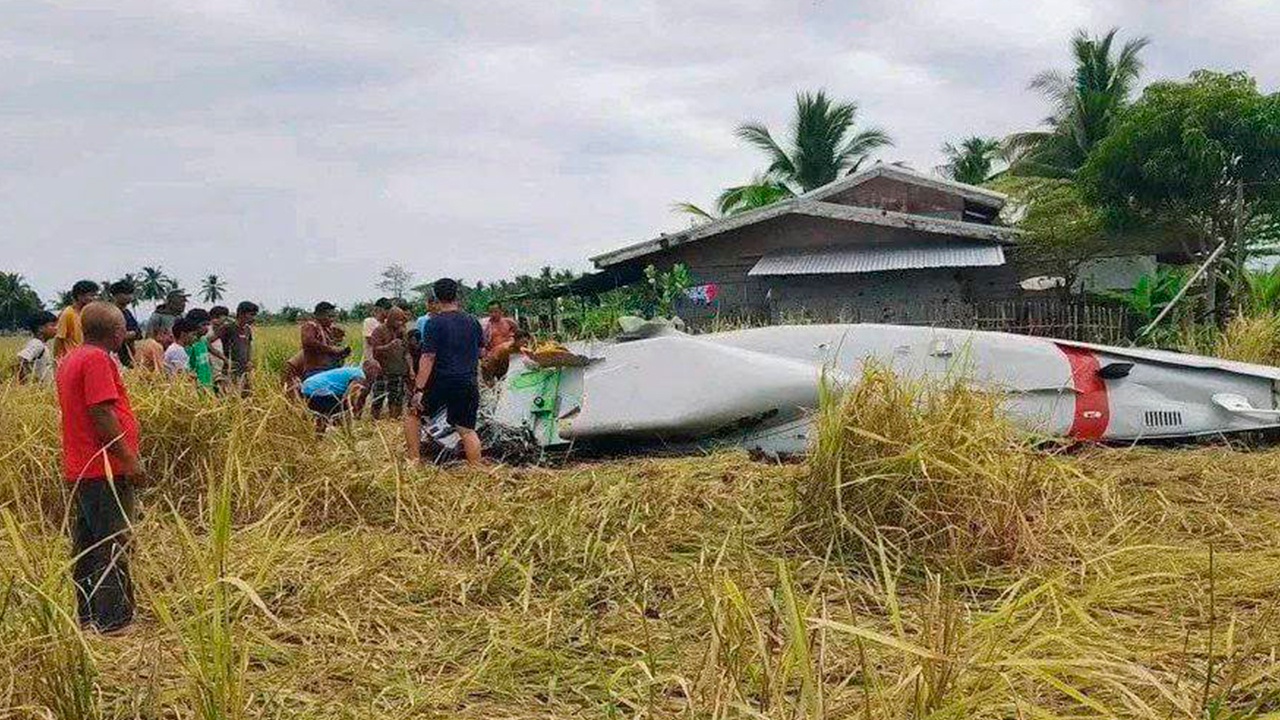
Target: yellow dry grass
(284, 576)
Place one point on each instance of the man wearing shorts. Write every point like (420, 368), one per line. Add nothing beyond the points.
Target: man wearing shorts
(447, 372)
(336, 393)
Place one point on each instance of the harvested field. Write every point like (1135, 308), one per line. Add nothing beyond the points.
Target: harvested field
(924, 565)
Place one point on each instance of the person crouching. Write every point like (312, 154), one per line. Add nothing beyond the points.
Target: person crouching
(333, 394)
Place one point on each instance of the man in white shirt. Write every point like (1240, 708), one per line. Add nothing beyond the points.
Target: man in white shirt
(35, 359)
(176, 361)
(380, 309)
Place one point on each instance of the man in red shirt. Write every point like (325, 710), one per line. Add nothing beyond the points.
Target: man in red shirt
(100, 459)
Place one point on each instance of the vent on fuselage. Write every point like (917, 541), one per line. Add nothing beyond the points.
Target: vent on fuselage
(1163, 418)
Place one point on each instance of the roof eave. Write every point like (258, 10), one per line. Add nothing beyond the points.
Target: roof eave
(816, 208)
(715, 227)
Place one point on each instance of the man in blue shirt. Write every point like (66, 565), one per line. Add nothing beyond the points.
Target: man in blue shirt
(330, 393)
(447, 372)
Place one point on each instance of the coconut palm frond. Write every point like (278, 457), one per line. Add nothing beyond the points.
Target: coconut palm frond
(689, 208)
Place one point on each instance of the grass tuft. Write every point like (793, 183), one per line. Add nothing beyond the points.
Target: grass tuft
(931, 469)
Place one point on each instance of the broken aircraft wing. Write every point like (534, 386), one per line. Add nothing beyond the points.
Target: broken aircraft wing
(757, 387)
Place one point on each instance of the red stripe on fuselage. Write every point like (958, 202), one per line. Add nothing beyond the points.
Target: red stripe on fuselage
(1093, 413)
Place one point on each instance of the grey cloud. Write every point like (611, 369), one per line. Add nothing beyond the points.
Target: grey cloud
(298, 147)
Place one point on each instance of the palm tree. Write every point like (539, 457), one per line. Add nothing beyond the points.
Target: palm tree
(824, 143)
(972, 161)
(213, 288)
(154, 284)
(761, 191)
(17, 301)
(1085, 102)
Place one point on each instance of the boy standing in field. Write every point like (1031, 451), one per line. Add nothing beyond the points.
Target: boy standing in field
(199, 355)
(446, 374)
(237, 346)
(219, 316)
(70, 335)
(380, 310)
(35, 359)
(387, 346)
(100, 459)
(176, 360)
(148, 353)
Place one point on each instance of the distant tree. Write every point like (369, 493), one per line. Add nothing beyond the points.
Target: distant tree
(1202, 154)
(17, 301)
(422, 289)
(396, 281)
(154, 284)
(972, 161)
(477, 298)
(291, 313)
(1061, 232)
(824, 143)
(1086, 103)
(213, 288)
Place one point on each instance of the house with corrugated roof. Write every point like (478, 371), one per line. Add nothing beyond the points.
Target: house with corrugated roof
(866, 245)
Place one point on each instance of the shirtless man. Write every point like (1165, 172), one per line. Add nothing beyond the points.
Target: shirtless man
(498, 328)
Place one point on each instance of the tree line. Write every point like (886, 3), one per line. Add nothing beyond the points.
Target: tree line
(18, 301)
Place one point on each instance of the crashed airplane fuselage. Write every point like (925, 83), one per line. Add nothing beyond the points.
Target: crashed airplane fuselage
(758, 387)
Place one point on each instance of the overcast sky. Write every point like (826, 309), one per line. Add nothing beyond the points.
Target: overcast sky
(297, 148)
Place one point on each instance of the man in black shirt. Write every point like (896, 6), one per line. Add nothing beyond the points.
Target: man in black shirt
(122, 294)
(447, 372)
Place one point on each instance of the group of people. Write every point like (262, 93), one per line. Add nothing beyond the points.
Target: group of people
(212, 347)
(435, 366)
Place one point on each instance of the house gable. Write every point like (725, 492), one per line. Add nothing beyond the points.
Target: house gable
(897, 189)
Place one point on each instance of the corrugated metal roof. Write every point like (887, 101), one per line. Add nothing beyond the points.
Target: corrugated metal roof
(848, 213)
(878, 258)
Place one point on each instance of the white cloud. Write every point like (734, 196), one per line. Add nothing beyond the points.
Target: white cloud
(297, 147)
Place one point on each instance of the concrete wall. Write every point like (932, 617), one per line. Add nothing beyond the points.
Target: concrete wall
(838, 296)
(1115, 273)
(725, 260)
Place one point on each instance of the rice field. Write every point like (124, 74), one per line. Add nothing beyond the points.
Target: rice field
(922, 564)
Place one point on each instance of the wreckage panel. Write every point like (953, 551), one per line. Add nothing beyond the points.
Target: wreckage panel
(755, 387)
(679, 386)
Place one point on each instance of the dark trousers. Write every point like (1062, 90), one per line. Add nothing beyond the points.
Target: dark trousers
(100, 538)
